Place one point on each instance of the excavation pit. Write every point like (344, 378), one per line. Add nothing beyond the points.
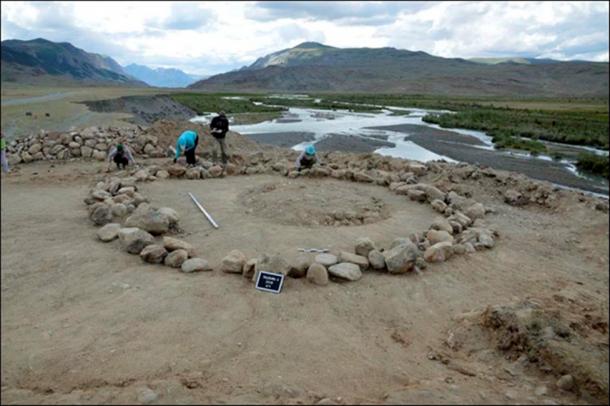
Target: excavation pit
(260, 226)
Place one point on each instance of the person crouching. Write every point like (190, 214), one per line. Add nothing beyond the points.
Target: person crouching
(121, 155)
(187, 143)
(307, 158)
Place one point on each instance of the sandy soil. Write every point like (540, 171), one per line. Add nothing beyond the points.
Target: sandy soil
(85, 323)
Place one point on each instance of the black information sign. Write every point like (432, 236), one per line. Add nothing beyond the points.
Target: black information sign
(270, 282)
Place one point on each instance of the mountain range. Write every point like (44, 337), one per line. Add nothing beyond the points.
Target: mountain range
(161, 77)
(40, 61)
(314, 67)
(311, 66)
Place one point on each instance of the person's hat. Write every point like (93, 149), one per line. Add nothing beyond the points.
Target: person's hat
(222, 113)
(119, 147)
(310, 150)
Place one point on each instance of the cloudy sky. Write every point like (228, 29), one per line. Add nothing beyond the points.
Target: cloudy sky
(214, 37)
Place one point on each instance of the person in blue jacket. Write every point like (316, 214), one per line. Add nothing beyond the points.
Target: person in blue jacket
(187, 143)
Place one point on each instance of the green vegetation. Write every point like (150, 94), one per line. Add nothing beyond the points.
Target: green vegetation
(207, 103)
(597, 164)
(502, 140)
(310, 103)
(569, 127)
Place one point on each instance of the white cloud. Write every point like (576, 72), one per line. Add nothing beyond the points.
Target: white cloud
(213, 37)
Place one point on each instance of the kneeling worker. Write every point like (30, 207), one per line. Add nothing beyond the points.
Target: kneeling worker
(187, 142)
(121, 155)
(307, 158)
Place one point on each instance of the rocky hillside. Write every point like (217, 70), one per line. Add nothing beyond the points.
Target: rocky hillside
(315, 67)
(161, 77)
(43, 61)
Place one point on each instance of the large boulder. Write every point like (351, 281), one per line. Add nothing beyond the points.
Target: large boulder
(234, 262)
(195, 265)
(153, 253)
(317, 274)
(149, 219)
(172, 244)
(439, 252)
(108, 232)
(133, 239)
(401, 258)
(364, 245)
(176, 258)
(359, 260)
(345, 270)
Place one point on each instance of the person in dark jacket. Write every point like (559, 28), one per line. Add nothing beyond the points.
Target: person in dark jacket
(219, 127)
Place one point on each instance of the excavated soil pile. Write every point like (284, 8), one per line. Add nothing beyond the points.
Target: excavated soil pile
(292, 203)
(168, 131)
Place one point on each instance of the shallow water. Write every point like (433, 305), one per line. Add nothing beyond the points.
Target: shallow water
(323, 123)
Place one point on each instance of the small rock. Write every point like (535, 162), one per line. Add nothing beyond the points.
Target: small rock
(162, 174)
(317, 274)
(172, 244)
(133, 239)
(364, 245)
(439, 252)
(176, 171)
(176, 258)
(193, 173)
(345, 270)
(416, 195)
(119, 210)
(376, 259)
(249, 268)
(273, 264)
(148, 219)
(541, 390)
(439, 205)
(299, 266)
(359, 260)
(234, 262)
(515, 198)
(475, 211)
(566, 382)
(101, 214)
(435, 236)
(153, 254)
(195, 265)
(441, 223)
(109, 232)
(171, 214)
(215, 171)
(326, 259)
(147, 396)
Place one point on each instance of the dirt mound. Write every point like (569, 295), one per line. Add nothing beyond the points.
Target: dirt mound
(564, 337)
(296, 203)
(145, 109)
(167, 132)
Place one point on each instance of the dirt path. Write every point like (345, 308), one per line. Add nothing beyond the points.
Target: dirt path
(85, 323)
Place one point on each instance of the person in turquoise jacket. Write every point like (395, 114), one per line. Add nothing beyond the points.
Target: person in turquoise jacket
(187, 143)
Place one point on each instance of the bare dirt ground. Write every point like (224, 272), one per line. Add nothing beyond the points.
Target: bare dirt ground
(83, 322)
